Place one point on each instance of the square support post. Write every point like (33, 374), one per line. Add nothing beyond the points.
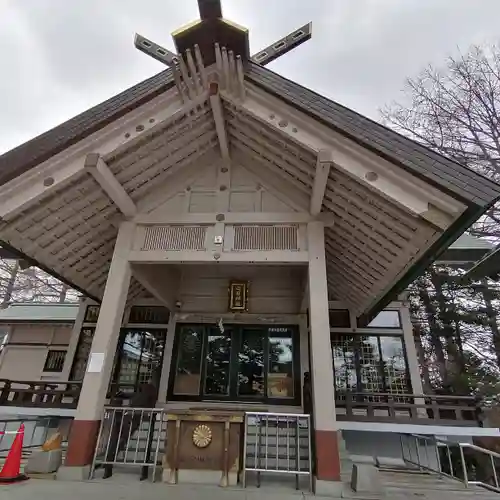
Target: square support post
(83, 436)
(326, 438)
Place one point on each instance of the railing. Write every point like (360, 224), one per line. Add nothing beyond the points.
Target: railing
(36, 431)
(132, 437)
(464, 462)
(39, 394)
(409, 408)
(277, 443)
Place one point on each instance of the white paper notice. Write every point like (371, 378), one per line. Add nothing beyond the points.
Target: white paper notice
(96, 362)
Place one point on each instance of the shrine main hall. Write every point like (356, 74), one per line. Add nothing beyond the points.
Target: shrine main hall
(242, 243)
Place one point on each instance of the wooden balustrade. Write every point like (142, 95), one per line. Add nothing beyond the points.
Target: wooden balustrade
(409, 408)
(39, 394)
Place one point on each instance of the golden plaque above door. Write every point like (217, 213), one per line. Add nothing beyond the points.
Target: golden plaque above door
(238, 296)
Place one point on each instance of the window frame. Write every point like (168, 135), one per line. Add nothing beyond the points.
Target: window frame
(47, 359)
(118, 358)
(380, 365)
(398, 327)
(236, 341)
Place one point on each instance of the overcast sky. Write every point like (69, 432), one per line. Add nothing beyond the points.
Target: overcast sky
(59, 57)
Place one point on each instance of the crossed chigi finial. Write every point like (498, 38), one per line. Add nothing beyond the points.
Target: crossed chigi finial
(213, 29)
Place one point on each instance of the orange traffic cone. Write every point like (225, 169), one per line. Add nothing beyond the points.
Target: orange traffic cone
(11, 472)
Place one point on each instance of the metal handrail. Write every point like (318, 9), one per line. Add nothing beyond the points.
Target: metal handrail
(447, 469)
(35, 435)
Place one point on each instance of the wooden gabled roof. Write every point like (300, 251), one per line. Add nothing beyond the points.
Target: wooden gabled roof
(91, 254)
(461, 182)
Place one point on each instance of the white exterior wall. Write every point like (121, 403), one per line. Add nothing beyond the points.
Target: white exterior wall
(23, 358)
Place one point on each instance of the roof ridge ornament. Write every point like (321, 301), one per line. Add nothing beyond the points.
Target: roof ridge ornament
(212, 28)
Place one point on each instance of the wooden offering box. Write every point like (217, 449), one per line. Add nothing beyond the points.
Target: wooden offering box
(203, 445)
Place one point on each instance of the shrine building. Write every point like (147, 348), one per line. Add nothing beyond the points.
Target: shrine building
(242, 243)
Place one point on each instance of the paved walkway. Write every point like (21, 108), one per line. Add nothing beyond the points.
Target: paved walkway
(128, 489)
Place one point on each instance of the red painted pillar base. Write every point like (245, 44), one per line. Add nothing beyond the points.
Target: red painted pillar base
(82, 441)
(327, 456)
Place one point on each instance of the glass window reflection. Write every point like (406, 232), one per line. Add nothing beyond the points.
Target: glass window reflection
(251, 364)
(218, 358)
(280, 376)
(369, 364)
(344, 364)
(188, 372)
(386, 319)
(394, 364)
(139, 359)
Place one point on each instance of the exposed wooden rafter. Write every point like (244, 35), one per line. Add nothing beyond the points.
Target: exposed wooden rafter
(230, 72)
(323, 164)
(220, 125)
(299, 130)
(97, 167)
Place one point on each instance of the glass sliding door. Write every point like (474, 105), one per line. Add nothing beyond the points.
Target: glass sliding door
(240, 363)
(280, 379)
(188, 361)
(139, 359)
(251, 364)
(217, 362)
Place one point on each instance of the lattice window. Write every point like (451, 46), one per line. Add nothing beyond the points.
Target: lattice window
(258, 237)
(175, 237)
(54, 361)
(369, 364)
(344, 362)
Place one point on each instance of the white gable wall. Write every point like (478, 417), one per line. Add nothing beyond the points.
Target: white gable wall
(201, 193)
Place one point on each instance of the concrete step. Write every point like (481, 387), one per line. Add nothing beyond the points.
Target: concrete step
(430, 486)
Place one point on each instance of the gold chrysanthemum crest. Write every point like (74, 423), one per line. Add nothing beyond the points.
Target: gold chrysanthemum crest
(202, 436)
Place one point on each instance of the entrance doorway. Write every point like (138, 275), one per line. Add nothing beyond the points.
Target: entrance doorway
(236, 363)
(139, 359)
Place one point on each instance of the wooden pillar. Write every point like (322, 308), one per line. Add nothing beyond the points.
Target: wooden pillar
(326, 438)
(83, 435)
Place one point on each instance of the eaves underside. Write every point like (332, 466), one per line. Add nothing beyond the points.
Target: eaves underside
(480, 191)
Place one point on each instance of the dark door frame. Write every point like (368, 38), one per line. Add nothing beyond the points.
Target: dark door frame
(236, 340)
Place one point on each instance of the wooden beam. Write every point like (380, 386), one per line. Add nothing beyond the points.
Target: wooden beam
(229, 218)
(210, 9)
(323, 164)
(97, 167)
(155, 51)
(204, 257)
(220, 126)
(284, 45)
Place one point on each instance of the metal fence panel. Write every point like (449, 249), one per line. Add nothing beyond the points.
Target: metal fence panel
(277, 443)
(132, 437)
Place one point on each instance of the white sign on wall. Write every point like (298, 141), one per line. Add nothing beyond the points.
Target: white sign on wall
(96, 362)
